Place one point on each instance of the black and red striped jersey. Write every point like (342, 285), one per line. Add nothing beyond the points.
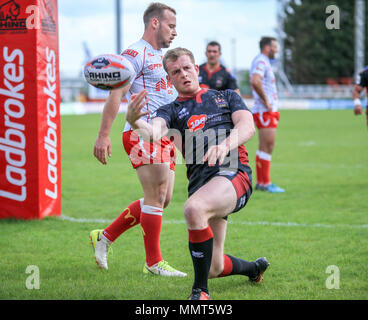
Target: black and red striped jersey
(204, 120)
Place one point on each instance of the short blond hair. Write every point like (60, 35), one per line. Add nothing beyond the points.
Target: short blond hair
(174, 55)
(155, 10)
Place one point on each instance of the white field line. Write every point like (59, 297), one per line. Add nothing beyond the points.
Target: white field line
(248, 223)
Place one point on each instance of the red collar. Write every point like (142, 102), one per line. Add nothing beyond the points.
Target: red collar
(197, 96)
(210, 73)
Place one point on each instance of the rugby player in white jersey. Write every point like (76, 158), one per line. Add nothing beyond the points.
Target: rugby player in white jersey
(265, 112)
(154, 163)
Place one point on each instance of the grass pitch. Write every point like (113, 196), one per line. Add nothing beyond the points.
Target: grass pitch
(320, 158)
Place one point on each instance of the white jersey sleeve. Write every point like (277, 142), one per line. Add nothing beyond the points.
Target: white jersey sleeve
(136, 59)
(259, 68)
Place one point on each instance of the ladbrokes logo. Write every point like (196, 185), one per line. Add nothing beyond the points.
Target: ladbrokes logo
(10, 16)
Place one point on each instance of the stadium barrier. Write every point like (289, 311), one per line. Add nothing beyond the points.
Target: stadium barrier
(30, 168)
(68, 108)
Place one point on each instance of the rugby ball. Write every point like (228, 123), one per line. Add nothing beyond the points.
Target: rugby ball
(108, 71)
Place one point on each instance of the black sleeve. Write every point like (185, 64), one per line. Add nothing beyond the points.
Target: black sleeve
(165, 112)
(231, 82)
(363, 79)
(236, 102)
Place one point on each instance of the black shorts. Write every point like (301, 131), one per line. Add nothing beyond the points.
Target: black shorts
(241, 180)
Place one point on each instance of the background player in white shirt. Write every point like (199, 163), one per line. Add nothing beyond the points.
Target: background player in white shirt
(265, 111)
(154, 162)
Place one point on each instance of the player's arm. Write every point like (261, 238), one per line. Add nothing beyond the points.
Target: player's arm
(256, 83)
(356, 97)
(242, 132)
(111, 108)
(232, 84)
(148, 131)
(237, 91)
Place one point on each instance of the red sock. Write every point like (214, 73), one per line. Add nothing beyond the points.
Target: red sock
(259, 170)
(151, 221)
(266, 164)
(228, 267)
(128, 219)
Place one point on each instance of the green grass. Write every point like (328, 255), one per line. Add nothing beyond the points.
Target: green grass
(321, 158)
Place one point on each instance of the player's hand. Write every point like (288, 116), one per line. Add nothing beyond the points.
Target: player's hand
(102, 146)
(358, 110)
(268, 106)
(137, 102)
(215, 153)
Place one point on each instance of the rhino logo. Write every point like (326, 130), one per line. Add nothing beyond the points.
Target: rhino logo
(100, 63)
(9, 10)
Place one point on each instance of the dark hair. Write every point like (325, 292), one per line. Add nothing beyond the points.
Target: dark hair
(265, 41)
(212, 44)
(174, 54)
(155, 10)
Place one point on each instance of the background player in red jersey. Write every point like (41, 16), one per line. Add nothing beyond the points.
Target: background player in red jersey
(217, 187)
(265, 112)
(154, 163)
(213, 74)
(361, 83)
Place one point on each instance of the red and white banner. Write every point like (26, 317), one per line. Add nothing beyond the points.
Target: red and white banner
(30, 156)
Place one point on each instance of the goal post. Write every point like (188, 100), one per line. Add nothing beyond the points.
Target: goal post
(30, 151)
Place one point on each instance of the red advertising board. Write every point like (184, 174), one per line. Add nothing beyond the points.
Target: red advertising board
(30, 154)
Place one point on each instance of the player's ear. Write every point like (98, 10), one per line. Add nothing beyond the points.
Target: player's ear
(196, 68)
(155, 23)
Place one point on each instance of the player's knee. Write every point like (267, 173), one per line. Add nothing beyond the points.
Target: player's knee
(161, 197)
(156, 197)
(167, 199)
(193, 212)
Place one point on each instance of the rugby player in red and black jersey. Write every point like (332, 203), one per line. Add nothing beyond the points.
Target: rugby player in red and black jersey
(213, 74)
(361, 83)
(213, 125)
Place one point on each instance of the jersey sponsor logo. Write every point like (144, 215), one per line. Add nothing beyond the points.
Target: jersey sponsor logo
(197, 122)
(154, 66)
(164, 85)
(130, 52)
(183, 113)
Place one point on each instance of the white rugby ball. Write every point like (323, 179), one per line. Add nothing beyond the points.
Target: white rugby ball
(108, 71)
